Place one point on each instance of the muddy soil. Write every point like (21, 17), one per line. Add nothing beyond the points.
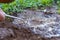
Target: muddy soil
(18, 34)
(14, 33)
(10, 31)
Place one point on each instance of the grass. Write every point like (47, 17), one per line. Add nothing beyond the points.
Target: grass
(18, 5)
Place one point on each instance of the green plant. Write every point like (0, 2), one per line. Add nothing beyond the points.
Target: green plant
(46, 2)
(18, 5)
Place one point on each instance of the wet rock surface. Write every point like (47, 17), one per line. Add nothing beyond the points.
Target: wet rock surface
(46, 25)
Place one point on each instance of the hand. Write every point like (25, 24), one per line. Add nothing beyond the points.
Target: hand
(2, 15)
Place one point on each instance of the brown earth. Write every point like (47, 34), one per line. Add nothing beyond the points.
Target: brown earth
(20, 34)
(11, 32)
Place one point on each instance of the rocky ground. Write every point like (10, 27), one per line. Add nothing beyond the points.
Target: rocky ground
(35, 25)
(10, 32)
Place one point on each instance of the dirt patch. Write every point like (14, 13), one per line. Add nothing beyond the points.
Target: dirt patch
(18, 34)
(10, 31)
